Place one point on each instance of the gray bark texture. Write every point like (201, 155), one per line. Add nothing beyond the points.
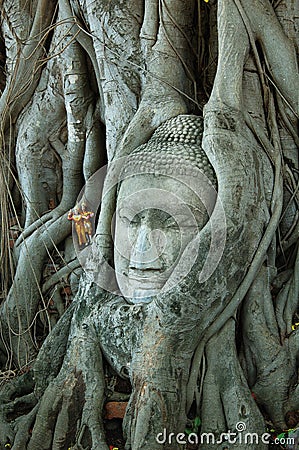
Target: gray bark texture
(87, 84)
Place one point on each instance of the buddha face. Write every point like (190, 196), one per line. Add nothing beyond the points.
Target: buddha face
(156, 218)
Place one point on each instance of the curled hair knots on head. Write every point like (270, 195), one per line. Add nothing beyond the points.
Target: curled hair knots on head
(174, 148)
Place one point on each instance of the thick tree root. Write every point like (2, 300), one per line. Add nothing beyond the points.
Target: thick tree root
(23, 426)
(17, 410)
(70, 409)
(227, 400)
(274, 361)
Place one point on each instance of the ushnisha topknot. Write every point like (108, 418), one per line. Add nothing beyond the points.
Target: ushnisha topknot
(174, 146)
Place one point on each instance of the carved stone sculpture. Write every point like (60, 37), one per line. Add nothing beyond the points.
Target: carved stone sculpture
(165, 196)
(191, 285)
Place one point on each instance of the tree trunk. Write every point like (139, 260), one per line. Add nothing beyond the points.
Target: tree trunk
(164, 89)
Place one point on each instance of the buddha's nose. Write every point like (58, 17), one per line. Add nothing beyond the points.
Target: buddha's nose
(145, 255)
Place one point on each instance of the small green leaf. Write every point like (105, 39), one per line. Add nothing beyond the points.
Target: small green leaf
(188, 430)
(197, 422)
(281, 435)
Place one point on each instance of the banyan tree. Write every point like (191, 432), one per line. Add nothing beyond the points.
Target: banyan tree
(149, 221)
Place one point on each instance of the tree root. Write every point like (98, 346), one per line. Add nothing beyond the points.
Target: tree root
(239, 294)
(33, 227)
(23, 425)
(275, 363)
(62, 273)
(26, 72)
(69, 413)
(227, 404)
(287, 301)
(71, 385)
(15, 420)
(20, 314)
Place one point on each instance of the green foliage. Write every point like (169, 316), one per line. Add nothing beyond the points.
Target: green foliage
(195, 425)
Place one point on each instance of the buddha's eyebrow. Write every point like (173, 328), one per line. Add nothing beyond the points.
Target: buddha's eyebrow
(125, 202)
(124, 207)
(130, 208)
(184, 208)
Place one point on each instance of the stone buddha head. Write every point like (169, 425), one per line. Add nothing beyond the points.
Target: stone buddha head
(166, 193)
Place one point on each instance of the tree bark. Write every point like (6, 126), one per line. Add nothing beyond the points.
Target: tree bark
(87, 83)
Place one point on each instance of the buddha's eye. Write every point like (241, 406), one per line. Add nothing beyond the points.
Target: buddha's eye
(129, 222)
(124, 219)
(127, 217)
(134, 222)
(181, 221)
(170, 224)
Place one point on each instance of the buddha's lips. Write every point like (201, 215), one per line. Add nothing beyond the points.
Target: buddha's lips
(146, 284)
(150, 282)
